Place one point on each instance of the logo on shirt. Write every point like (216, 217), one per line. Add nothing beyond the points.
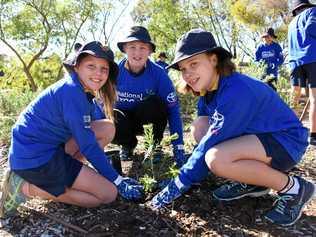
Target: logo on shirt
(268, 54)
(216, 122)
(87, 121)
(172, 97)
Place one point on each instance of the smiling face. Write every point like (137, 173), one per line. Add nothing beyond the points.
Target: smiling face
(93, 72)
(199, 71)
(137, 54)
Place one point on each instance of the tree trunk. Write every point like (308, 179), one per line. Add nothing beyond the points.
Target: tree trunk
(30, 79)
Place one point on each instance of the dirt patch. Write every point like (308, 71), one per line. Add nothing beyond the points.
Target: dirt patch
(194, 214)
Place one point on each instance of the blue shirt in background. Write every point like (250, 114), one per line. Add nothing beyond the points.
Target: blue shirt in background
(302, 39)
(271, 55)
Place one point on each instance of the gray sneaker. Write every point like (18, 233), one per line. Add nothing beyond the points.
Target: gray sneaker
(236, 190)
(288, 207)
(11, 194)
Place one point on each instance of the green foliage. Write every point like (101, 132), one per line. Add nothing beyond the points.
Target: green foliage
(154, 172)
(44, 71)
(149, 183)
(12, 102)
(166, 20)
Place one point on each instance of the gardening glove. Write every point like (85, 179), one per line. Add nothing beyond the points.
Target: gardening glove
(178, 153)
(129, 188)
(172, 191)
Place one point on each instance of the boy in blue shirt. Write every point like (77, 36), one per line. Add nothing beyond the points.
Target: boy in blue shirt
(254, 144)
(270, 52)
(302, 56)
(64, 124)
(145, 95)
(162, 57)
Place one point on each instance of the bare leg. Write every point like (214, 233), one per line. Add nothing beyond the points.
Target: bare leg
(89, 190)
(104, 131)
(312, 109)
(296, 94)
(244, 159)
(199, 128)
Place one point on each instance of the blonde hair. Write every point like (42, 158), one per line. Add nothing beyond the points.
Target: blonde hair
(224, 67)
(108, 95)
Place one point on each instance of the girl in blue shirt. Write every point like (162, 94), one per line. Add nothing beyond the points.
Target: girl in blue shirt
(62, 124)
(245, 133)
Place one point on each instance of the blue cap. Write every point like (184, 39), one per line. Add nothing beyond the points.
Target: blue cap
(137, 33)
(194, 42)
(96, 49)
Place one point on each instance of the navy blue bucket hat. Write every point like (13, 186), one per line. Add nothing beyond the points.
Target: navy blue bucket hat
(96, 49)
(297, 4)
(270, 32)
(137, 33)
(194, 42)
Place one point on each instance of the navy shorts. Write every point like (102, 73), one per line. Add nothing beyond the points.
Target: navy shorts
(59, 173)
(281, 160)
(304, 75)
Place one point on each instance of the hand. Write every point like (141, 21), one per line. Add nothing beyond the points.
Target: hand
(168, 194)
(129, 188)
(178, 153)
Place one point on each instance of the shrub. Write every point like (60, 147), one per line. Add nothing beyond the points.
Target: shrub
(12, 102)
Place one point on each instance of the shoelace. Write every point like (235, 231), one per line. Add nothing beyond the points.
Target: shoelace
(281, 203)
(232, 185)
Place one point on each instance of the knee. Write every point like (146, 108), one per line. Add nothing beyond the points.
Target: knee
(199, 128)
(215, 162)
(109, 195)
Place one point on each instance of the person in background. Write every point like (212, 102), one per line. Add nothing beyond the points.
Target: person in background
(162, 57)
(254, 144)
(145, 95)
(270, 52)
(77, 47)
(63, 122)
(302, 56)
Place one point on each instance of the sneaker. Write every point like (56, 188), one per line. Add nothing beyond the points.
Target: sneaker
(126, 153)
(235, 190)
(312, 141)
(288, 208)
(11, 194)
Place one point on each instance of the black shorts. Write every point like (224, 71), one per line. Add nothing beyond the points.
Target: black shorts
(59, 173)
(281, 160)
(304, 75)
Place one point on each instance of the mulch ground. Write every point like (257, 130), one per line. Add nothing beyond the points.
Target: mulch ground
(194, 214)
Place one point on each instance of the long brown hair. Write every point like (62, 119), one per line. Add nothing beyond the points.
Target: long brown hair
(108, 95)
(225, 67)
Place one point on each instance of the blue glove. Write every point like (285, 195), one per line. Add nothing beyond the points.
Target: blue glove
(129, 188)
(178, 153)
(171, 192)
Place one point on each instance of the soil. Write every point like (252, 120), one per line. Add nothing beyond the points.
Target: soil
(194, 214)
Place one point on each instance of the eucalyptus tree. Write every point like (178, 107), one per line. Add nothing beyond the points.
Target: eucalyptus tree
(34, 28)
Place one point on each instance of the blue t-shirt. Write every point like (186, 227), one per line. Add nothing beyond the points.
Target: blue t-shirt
(241, 106)
(131, 90)
(60, 112)
(302, 39)
(162, 64)
(272, 56)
